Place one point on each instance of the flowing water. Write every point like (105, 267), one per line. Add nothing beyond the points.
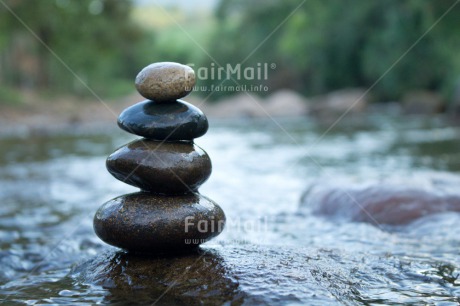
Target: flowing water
(272, 251)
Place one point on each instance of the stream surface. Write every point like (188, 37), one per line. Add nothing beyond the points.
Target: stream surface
(273, 250)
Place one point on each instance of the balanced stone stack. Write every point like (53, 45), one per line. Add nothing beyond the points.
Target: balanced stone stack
(168, 214)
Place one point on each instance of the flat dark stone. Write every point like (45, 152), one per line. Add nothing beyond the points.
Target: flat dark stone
(169, 168)
(173, 120)
(232, 273)
(200, 277)
(144, 222)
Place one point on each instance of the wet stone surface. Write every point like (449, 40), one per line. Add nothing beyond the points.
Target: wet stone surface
(143, 222)
(168, 168)
(177, 120)
(199, 277)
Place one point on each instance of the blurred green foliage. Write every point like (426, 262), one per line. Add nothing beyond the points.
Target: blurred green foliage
(320, 46)
(96, 39)
(317, 46)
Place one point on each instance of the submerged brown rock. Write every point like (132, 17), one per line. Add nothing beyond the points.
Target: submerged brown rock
(379, 203)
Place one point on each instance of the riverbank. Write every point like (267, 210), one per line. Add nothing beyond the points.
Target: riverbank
(39, 114)
(36, 112)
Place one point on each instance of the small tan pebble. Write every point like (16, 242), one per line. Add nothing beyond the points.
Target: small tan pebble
(165, 81)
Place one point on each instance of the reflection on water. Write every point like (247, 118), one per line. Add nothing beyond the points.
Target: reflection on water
(270, 252)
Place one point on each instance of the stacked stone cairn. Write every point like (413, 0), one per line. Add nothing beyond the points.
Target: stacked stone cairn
(168, 214)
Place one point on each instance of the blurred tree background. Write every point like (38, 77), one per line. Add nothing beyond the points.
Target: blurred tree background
(317, 46)
(328, 45)
(97, 40)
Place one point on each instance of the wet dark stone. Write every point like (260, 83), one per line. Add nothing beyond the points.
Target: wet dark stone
(169, 168)
(177, 120)
(144, 222)
(195, 278)
(235, 274)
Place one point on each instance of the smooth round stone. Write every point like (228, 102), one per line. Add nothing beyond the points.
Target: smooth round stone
(177, 120)
(165, 81)
(161, 167)
(144, 222)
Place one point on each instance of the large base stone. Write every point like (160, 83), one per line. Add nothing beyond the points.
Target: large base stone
(144, 222)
